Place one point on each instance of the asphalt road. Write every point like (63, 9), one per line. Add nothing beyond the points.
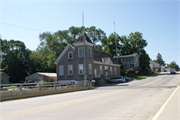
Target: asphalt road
(146, 99)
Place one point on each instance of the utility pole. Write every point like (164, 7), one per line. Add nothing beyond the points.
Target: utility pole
(84, 66)
(115, 37)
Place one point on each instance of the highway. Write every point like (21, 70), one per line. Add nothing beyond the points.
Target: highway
(154, 98)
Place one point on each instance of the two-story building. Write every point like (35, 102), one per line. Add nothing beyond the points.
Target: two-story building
(155, 66)
(129, 61)
(99, 65)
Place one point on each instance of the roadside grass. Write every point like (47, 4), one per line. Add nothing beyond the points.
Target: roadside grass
(143, 76)
(9, 86)
(138, 77)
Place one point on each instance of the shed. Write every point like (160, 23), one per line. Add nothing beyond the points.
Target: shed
(36, 77)
(4, 78)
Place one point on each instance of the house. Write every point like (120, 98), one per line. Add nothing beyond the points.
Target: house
(163, 69)
(155, 66)
(36, 77)
(99, 66)
(4, 78)
(129, 61)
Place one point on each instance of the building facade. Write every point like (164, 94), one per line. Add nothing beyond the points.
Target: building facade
(99, 66)
(129, 61)
(155, 66)
(4, 78)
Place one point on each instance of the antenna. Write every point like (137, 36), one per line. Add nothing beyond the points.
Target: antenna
(115, 34)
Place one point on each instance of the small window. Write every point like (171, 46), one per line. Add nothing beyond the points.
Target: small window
(114, 70)
(111, 70)
(122, 59)
(132, 65)
(61, 70)
(89, 52)
(70, 55)
(81, 72)
(90, 69)
(80, 52)
(70, 70)
(136, 59)
(101, 71)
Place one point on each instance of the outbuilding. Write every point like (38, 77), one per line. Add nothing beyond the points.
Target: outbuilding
(4, 78)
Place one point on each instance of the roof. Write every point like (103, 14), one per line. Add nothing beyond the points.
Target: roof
(80, 39)
(154, 62)
(125, 56)
(48, 74)
(5, 74)
(98, 56)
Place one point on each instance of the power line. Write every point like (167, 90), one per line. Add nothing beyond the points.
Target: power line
(21, 27)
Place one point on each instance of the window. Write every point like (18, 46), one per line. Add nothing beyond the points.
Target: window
(70, 70)
(70, 55)
(136, 59)
(124, 65)
(101, 71)
(80, 52)
(81, 72)
(122, 59)
(90, 69)
(61, 71)
(89, 52)
(114, 70)
(127, 59)
(111, 70)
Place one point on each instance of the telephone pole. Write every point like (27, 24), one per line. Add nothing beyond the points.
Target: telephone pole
(84, 51)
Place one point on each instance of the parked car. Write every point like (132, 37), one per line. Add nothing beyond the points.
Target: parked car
(173, 71)
(118, 79)
(145, 73)
(127, 79)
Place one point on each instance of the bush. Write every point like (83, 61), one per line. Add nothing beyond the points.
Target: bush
(123, 73)
(130, 70)
(137, 72)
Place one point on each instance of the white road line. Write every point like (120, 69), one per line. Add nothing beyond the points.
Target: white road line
(162, 108)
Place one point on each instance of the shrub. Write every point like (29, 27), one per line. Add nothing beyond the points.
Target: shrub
(130, 70)
(137, 72)
(123, 73)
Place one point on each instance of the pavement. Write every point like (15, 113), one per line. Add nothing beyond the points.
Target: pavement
(135, 100)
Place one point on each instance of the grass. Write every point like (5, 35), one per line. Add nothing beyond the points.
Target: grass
(9, 86)
(138, 77)
(154, 73)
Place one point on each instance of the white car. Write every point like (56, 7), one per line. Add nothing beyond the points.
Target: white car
(118, 79)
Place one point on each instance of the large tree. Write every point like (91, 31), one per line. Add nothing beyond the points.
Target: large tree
(174, 65)
(15, 58)
(159, 59)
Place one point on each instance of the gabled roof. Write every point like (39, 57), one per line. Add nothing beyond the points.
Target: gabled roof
(5, 74)
(63, 52)
(125, 56)
(80, 39)
(99, 56)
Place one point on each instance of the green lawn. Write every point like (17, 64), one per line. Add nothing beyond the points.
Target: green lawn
(154, 73)
(9, 86)
(138, 77)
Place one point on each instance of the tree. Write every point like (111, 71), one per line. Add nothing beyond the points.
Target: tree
(159, 59)
(174, 65)
(15, 59)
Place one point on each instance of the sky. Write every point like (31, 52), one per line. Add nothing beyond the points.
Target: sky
(157, 20)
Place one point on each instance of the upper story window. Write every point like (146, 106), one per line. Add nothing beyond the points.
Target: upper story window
(61, 71)
(89, 52)
(70, 55)
(136, 59)
(127, 59)
(81, 71)
(80, 52)
(101, 71)
(122, 59)
(70, 70)
(90, 68)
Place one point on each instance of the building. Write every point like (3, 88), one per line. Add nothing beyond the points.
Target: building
(4, 78)
(155, 66)
(36, 77)
(100, 66)
(129, 61)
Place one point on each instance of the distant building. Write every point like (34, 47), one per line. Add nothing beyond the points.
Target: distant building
(155, 66)
(129, 61)
(4, 78)
(36, 77)
(100, 66)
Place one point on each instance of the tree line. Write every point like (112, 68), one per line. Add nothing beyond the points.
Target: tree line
(19, 62)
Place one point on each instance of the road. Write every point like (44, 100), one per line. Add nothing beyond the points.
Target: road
(145, 99)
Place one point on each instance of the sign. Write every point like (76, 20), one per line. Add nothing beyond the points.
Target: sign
(97, 76)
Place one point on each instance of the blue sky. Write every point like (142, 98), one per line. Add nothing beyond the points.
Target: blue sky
(157, 20)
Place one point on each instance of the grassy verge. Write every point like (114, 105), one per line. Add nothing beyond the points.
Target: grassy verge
(138, 77)
(9, 86)
(153, 73)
